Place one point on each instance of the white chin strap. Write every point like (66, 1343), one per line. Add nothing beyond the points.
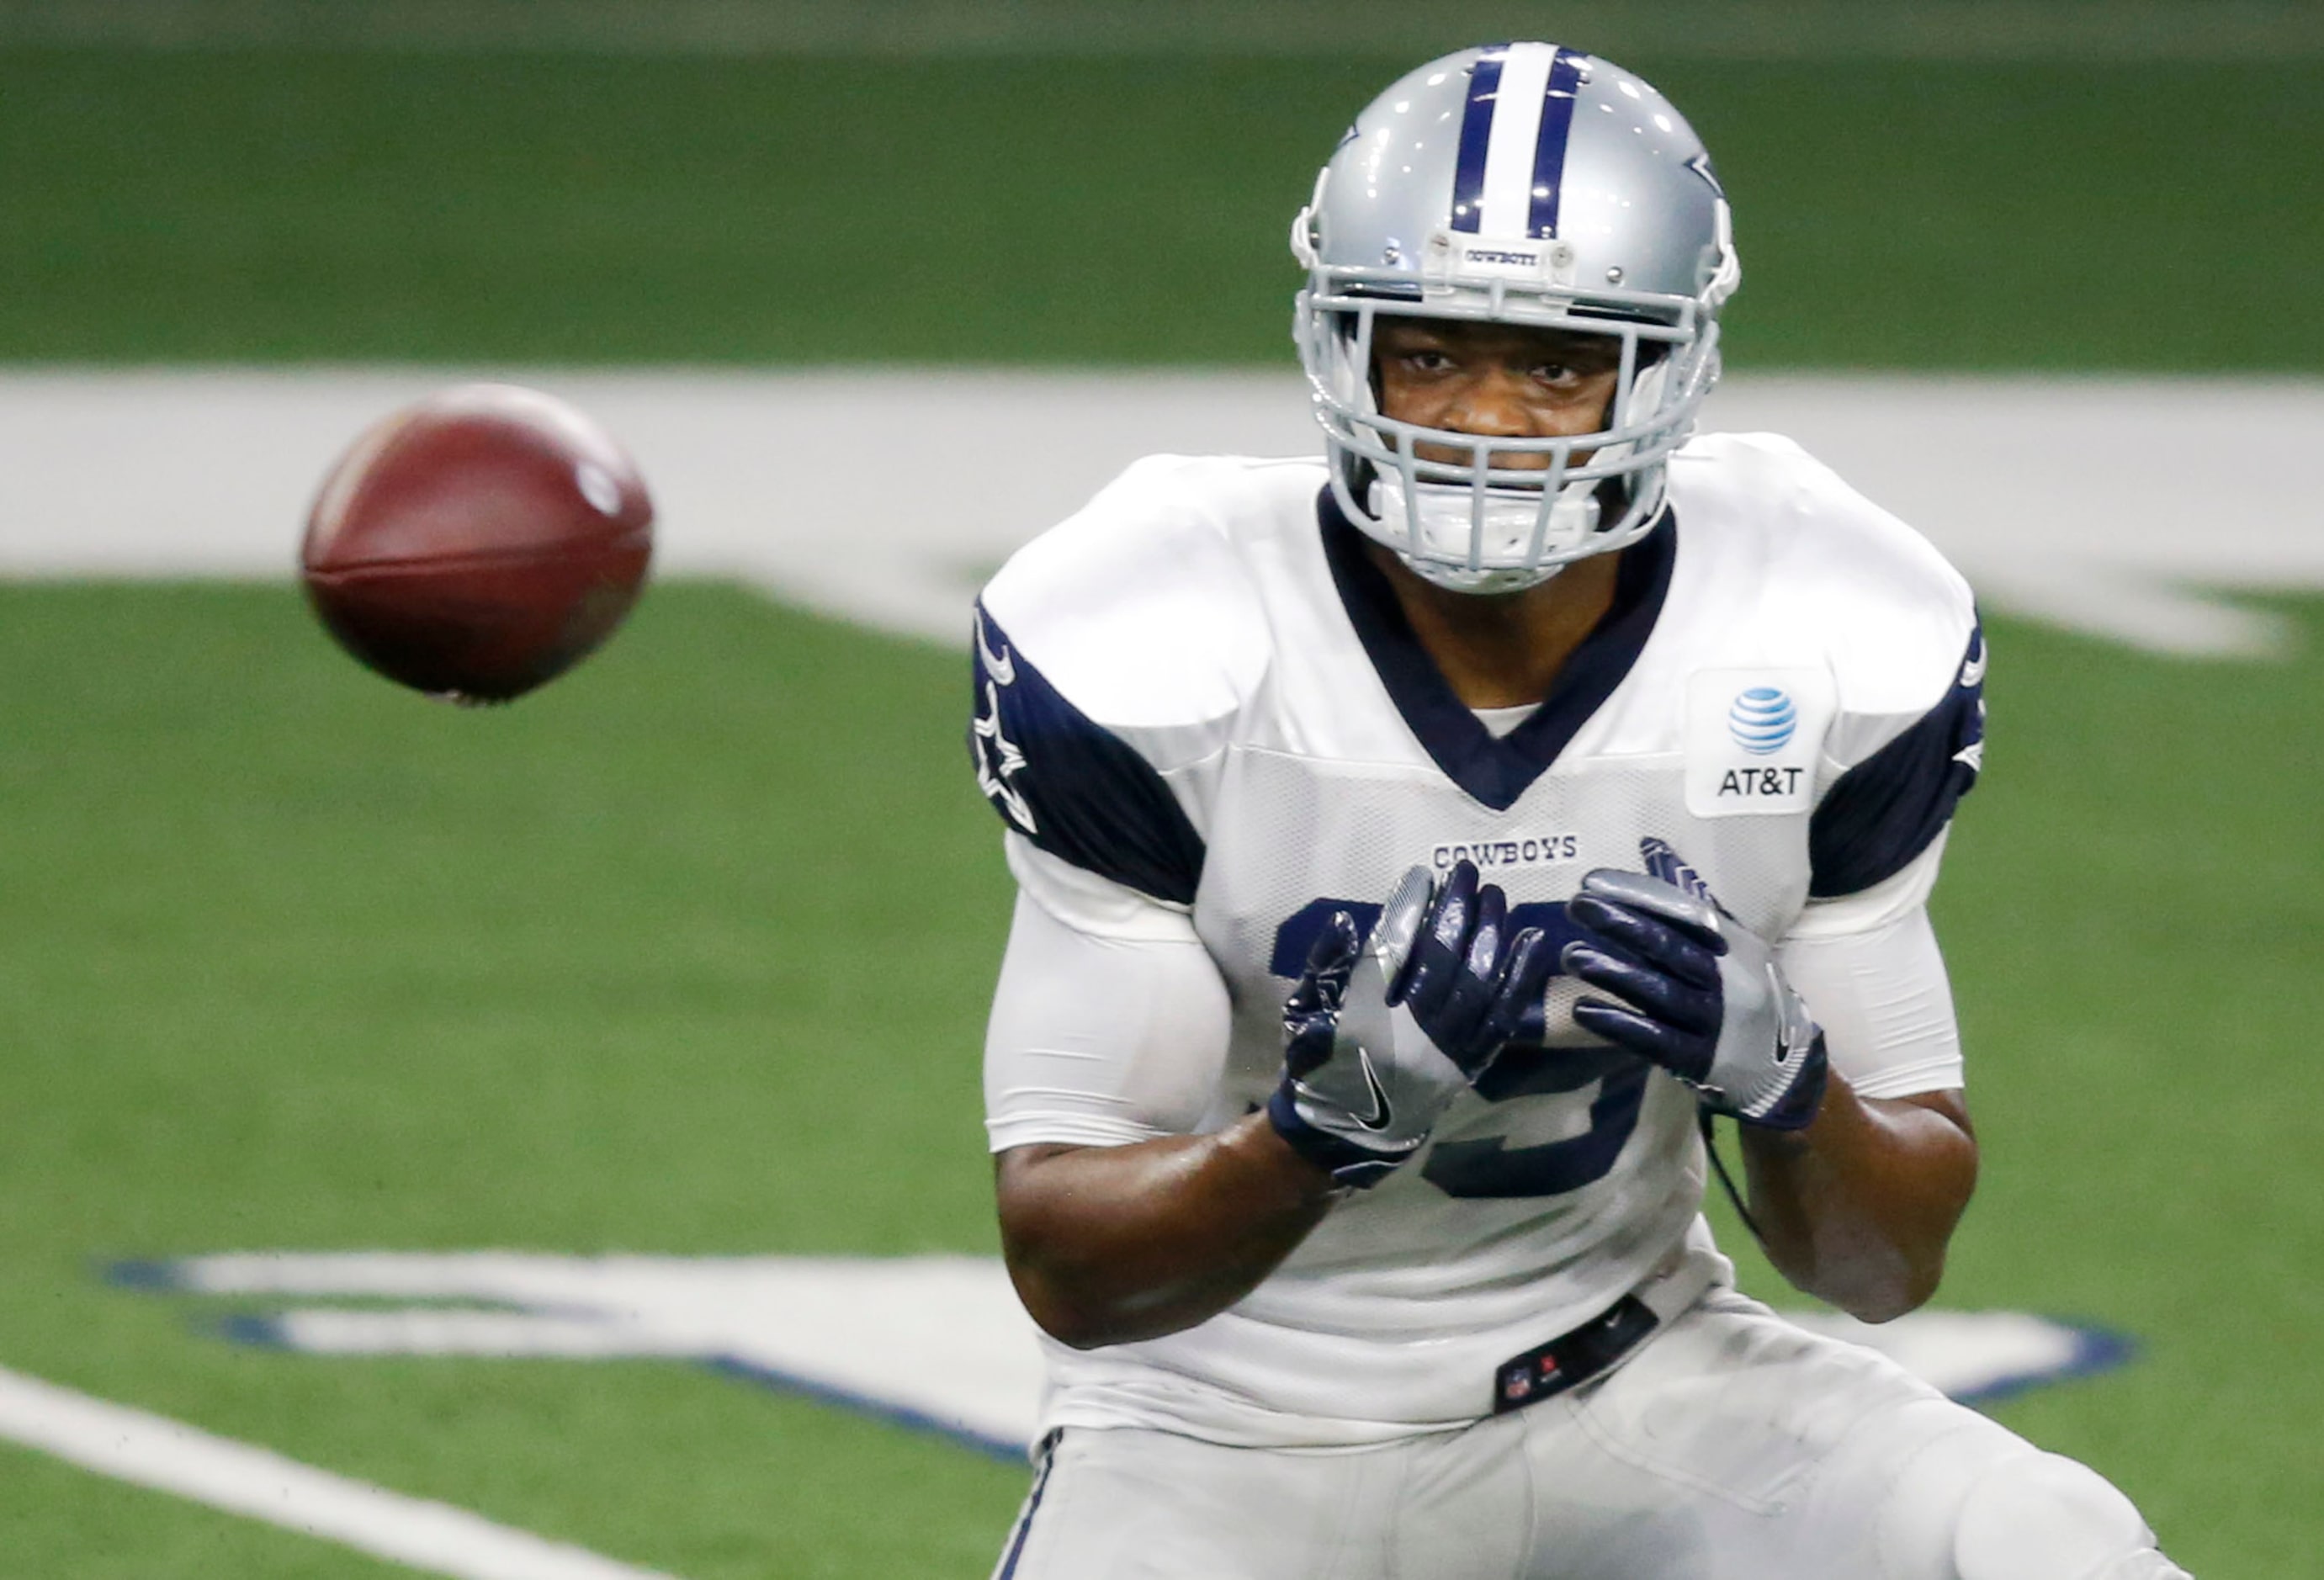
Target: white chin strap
(1449, 523)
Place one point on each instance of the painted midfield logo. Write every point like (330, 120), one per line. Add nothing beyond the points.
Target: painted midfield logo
(935, 1342)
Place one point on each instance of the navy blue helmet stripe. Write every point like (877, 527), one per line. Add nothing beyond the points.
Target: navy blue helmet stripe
(1476, 137)
(1549, 148)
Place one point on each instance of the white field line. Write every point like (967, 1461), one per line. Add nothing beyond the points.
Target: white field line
(153, 1451)
(2037, 29)
(2130, 509)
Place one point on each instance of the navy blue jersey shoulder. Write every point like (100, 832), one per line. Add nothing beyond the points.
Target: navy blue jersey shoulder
(1070, 785)
(1887, 809)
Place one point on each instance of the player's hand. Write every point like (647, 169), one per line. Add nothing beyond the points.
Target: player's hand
(1362, 1086)
(1466, 981)
(1700, 994)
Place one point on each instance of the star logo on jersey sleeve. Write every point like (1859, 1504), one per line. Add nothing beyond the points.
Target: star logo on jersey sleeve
(1972, 755)
(997, 663)
(998, 759)
(1972, 670)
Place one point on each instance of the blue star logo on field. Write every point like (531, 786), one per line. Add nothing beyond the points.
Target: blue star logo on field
(935, 1342)
(1762, 719)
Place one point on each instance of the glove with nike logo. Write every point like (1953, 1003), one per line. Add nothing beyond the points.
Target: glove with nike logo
(1700, 995)
(1362, 1086)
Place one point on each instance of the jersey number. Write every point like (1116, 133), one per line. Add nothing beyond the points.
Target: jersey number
(1488, 1166)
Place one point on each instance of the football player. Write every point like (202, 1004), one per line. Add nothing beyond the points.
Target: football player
(1415, 848)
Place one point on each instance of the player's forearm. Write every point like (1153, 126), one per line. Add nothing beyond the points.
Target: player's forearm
(1857, 1208)
(1113, 1245)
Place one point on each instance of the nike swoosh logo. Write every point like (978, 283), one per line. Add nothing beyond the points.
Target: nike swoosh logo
(1381, 1115)
(1002, 665)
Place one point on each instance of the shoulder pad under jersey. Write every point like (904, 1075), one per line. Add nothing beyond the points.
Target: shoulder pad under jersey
(1113, 654)
(1897, 628)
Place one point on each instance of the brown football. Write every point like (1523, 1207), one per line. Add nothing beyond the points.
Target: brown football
(478, 544)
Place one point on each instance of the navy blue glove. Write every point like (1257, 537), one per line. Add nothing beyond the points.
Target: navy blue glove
(1700, 994)
(1360, 1093)
(1466, 987)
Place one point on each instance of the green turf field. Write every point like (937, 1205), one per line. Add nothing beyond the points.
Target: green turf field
(463, 208)
(690, 952)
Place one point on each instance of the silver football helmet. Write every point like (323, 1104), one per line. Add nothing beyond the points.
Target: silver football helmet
(1529, 184)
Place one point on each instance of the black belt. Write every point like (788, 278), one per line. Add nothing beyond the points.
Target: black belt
(1574, 1357)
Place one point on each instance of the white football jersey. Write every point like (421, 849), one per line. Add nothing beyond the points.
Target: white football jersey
(1201, 689)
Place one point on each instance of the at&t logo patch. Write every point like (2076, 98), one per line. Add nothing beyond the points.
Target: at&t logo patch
(1752, 738)
(1759, 782)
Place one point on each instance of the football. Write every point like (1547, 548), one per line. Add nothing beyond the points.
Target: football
(479, 543)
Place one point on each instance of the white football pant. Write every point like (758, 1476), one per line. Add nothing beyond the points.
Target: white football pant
(1732, 1446)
